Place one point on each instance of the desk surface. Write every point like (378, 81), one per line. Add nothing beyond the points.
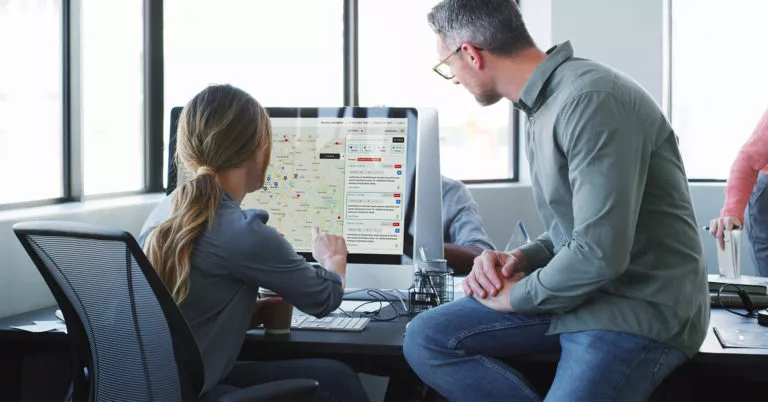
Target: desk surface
(711, 351)
(383, 338)
(7, 333)
(378, 338)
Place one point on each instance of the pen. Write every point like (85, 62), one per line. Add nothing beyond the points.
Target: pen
(514, 240)
(707, 227)
(525, 233)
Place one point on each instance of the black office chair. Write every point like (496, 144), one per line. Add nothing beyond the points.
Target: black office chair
(128, 338)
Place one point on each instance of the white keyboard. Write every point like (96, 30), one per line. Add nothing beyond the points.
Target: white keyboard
(306, 321)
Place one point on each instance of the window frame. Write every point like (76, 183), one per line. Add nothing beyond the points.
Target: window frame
(152, 137)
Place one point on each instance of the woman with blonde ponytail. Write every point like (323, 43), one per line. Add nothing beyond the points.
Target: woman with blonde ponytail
(213, 256)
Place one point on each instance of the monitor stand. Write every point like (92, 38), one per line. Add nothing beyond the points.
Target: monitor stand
(379, 276)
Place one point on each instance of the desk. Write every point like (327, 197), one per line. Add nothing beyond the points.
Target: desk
(9, 334)
(379, 338)
(34, 366)
(376, 350)
(712, 351)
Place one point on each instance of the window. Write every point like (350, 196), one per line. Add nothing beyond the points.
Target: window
(718, 81)
(284, 53)
(31, 138)
(396, 55)
(112, 95)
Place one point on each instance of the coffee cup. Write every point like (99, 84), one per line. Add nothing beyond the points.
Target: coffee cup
(276, 317)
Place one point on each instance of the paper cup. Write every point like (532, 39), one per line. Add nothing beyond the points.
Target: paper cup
(276, 317)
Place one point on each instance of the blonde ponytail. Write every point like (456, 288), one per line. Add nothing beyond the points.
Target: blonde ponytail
(220, 128)
(170, 244)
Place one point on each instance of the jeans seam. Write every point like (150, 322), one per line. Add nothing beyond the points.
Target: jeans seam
(504, 373)
(463, 335)
(647, 346)
(659, 364)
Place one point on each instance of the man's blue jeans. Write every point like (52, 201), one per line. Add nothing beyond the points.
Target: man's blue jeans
(458, 348)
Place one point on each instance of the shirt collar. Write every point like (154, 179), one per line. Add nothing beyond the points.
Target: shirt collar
(556, 55)
(226, 196)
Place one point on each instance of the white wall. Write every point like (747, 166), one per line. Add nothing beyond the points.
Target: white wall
(624, 34)
(21, 286)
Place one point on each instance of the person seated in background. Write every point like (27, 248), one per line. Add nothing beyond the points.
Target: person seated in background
(463, 232)
(213, 256)
(746, 186)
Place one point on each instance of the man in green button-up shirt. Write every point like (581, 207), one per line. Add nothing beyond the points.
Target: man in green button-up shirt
(618, 280)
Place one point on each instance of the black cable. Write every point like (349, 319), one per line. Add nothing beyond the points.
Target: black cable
(345, 313)
(381, 298)
(374, 315)
(744, 296)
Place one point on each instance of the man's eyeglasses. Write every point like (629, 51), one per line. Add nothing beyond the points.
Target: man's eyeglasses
(443, 69)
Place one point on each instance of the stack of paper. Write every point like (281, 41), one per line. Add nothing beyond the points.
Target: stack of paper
(44, 326)
(729, 259)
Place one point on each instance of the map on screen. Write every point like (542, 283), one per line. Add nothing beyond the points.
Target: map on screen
(345, 175)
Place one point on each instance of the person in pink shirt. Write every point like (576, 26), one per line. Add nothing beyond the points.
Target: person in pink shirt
(747, 186)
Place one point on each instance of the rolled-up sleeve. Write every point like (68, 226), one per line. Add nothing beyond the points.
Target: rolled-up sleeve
(608, 157)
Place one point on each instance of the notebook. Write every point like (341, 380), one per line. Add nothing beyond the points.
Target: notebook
(729, 259)
(756, 337)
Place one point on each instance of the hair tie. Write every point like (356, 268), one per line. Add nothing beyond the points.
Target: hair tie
(204, 170)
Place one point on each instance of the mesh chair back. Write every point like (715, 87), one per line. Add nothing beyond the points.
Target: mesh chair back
(138, 345)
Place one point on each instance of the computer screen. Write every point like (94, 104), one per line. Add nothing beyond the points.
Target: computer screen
(346, 170)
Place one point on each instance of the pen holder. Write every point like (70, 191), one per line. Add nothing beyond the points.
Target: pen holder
(431, 289)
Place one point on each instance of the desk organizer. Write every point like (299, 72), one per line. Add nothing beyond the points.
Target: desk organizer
(431, 289)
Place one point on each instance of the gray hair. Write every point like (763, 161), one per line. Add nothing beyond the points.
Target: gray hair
(494, 25)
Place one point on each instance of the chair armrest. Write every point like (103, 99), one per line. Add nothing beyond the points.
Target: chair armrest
(284, 390)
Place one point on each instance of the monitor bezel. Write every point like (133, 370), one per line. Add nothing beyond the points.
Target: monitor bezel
(338, 112)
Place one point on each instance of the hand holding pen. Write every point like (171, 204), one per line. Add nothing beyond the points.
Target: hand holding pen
(718, 226)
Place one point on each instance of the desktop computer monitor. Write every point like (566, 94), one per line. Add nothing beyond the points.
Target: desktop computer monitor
(350, 171)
